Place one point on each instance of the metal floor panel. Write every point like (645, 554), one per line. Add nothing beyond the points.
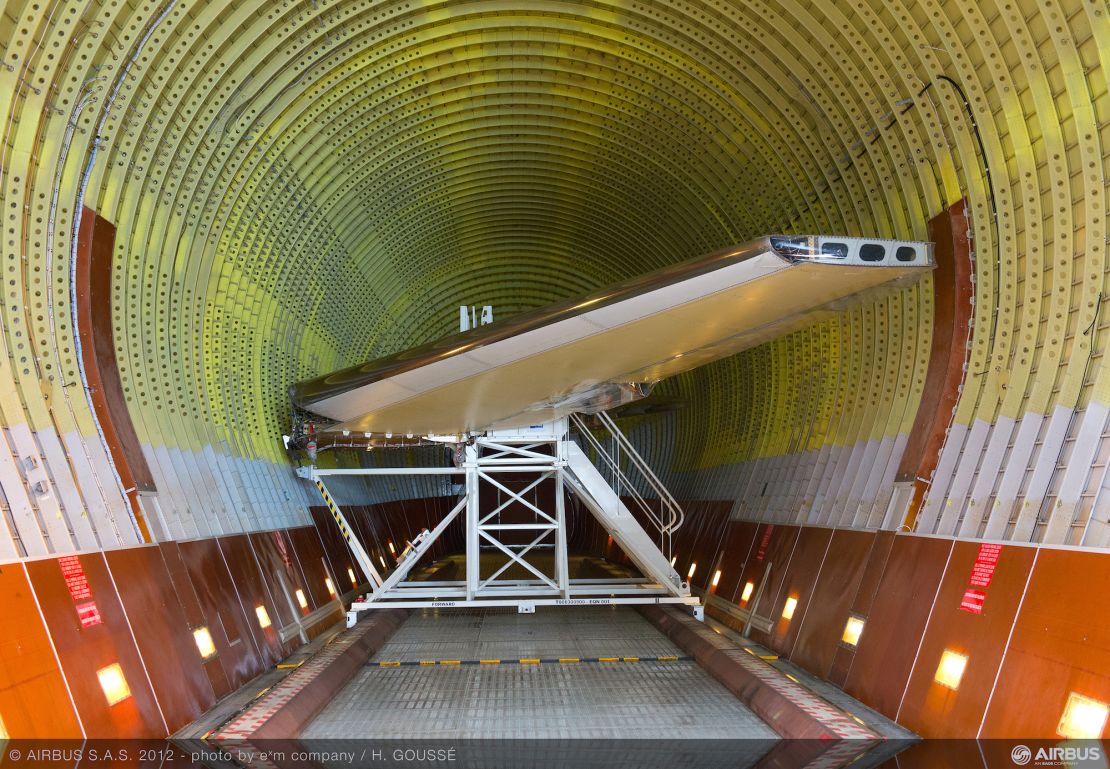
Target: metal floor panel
(513, 701)
(564, 632)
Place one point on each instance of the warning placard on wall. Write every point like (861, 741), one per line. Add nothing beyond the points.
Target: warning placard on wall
(982, 572)
(75, 577)
(973, 600)
(78, 584)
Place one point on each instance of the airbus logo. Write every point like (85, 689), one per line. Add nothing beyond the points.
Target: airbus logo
(1022, 755)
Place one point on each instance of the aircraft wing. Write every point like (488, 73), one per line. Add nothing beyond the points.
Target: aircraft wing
(608, 347)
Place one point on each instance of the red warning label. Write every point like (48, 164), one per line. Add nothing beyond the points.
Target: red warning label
(88, 614)
(764, 542)
(75, 577)
(973, 601)
(983, 571)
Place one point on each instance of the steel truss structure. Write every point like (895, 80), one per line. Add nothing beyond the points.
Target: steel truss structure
(513, 464)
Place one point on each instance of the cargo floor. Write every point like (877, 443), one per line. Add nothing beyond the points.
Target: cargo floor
(485, 691)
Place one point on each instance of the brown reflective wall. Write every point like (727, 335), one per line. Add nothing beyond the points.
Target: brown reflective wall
(1044, 629)
(150, 600)
(954, 305)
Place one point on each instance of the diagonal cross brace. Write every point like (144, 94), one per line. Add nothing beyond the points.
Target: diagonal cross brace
(601, 500)
(518, 558)
(516, 497)
(511, 454)
(405, 566)
(359, 551)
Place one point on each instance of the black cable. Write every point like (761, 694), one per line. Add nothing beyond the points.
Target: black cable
(990, 191)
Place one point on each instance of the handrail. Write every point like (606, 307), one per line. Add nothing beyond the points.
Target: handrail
(670, 516)
(619, 476)
(645, 470)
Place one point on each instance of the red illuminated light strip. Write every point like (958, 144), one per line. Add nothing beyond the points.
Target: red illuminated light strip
(983, 570)
(75, 578)
(973, 601)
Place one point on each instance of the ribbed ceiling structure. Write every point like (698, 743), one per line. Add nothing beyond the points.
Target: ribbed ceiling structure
(299, 185)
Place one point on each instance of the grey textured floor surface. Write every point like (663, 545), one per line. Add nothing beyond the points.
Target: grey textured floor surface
(588, 631)
(645, 699)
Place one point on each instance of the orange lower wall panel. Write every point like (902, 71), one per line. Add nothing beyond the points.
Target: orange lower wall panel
(737, 543)
(887, 649)
(84, 651)
(817, 632)
(163, 632)
(797, 574)
(1044, 629)
(1061, 644)
(254, 588)
(769, 555)
(227, 622)
(149, 601)
(196, 615)
(929, 707)
(33, 698)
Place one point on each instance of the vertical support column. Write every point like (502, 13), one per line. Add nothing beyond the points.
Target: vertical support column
(472, 563)
(562, 567)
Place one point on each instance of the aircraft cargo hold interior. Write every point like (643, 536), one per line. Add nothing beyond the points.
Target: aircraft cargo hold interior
(607, 383)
